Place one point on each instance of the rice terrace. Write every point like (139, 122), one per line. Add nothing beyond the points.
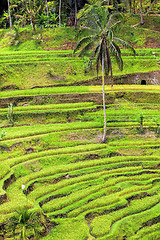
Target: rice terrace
(80, 120)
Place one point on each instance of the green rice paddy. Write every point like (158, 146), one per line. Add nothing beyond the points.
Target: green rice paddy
(89, 190)
(61, 67)
(50, 142)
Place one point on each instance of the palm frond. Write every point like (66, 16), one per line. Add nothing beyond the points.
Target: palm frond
(83, 41)
(84, 11)
(117, 53)
(18, 16)
(112, 19)
(99, 14)
(106, 60)
(95, 55)
(97, 68)
(85, 48)
(85, 30)
(92, 21)
(92, 17)
(104, 17)
(124, 44)
(115, 25)
(89, 64)
(109, 61)
(98, 57)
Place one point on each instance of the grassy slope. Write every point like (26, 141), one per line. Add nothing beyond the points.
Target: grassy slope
(15, 69)
(47, 69)
(105, 183)
(91, 190)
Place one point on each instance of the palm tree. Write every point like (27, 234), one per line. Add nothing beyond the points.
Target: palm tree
(96, 32)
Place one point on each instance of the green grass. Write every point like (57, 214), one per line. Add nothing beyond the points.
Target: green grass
(148, 232)
(76, 230)
(123, 227)
(25, 131)
(88, 189)
(30, 40)
(41, 68)
(77, 89)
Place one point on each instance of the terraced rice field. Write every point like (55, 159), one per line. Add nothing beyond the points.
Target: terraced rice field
(88, 190)
(54, 68)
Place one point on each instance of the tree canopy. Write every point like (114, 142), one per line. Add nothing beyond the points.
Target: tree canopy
(46, 13)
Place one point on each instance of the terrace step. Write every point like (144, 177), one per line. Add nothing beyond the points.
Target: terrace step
(103, 187)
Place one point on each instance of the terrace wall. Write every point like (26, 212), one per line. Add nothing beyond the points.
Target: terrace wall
(150, 78)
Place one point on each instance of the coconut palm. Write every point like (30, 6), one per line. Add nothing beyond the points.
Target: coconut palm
(96, 34)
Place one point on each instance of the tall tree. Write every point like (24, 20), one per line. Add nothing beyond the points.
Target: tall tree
(60, 9)
(141, 13)
(31, 10)
(97, 34)
(47, 11)
(75, 15)
(9, 12)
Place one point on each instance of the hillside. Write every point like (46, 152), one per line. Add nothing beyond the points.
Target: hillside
(24, 52)
(51, 144)
(57, 179)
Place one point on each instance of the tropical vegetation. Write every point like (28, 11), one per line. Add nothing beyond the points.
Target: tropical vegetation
(50, 13)
(58, 179)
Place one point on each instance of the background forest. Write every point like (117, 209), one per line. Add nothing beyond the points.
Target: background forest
(45, 13)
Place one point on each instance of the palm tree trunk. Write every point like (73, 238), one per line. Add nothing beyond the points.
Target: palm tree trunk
(141, 14)
(104, 104)
(10, 20)
(23, 233)
(60, 3)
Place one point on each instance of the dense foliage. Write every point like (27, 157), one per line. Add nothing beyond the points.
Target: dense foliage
(50, 13)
